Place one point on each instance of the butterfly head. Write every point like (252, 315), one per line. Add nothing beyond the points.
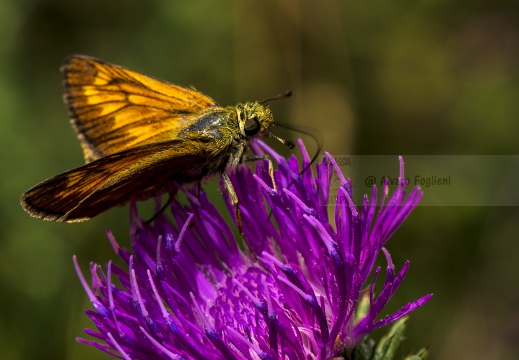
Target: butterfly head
(254, 119)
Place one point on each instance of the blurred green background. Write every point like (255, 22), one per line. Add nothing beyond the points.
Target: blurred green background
(370, 77)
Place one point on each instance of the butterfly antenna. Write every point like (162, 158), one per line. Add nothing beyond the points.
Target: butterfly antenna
(286, 142)
(317, 141)
(284, 95)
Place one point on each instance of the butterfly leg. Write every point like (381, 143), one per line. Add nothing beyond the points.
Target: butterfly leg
(271, 175)
(271, 167)
(234, 199)
(172, 194)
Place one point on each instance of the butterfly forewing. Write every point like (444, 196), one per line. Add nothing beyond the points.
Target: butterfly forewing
(113, 108)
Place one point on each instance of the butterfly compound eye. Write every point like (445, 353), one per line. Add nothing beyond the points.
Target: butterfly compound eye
(251, 126)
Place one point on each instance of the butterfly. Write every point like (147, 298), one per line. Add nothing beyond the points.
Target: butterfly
(140, 137)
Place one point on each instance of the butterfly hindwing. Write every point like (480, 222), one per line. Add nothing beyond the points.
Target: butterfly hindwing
(139, 172)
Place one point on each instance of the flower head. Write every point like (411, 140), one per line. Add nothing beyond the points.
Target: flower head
(189, 292)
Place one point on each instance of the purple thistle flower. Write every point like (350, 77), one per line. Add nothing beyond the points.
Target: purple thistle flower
(190, 293)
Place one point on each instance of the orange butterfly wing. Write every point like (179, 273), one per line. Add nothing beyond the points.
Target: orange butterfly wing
(115, 179)
(113, 108)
